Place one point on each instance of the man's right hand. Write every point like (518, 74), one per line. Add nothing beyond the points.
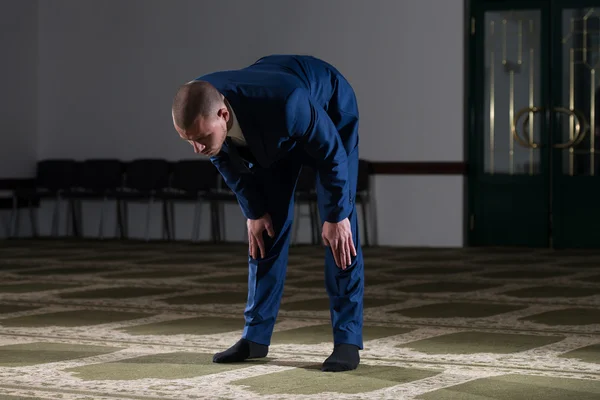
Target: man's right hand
(256, 227)
(338, 236)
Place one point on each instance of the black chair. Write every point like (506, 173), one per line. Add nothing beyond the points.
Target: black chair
(99, 179)
(217, 199)
(54, 179)
(7, 203)
(364, 195)
(306, 194)
(191, 181)
(144, 180)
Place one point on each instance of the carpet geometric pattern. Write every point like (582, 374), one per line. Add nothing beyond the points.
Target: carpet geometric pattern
(108, 320)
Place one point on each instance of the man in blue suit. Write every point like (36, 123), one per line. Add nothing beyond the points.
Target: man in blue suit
(259, 125)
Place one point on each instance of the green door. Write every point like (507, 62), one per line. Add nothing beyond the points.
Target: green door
(534, 98)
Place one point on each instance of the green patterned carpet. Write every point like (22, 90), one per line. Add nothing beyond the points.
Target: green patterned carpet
(128, 320)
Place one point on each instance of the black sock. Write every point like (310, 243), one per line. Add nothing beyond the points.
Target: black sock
(344, 358)
(242, 350)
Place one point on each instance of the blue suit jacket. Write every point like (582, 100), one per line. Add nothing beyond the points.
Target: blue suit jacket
(281, 103)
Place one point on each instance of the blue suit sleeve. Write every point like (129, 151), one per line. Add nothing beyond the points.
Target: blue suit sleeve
(244, 186)
(309, 124)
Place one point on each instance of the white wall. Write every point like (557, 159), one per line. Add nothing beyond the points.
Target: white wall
(109, 69)
(18, 88)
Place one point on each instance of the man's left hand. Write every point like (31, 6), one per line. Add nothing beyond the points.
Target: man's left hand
(338, 236)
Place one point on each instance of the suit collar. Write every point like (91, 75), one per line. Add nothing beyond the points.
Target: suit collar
(252, 134)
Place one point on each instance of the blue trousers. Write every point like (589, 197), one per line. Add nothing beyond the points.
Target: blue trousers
(267, 276)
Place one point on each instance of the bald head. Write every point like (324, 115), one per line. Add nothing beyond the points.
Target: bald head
(201, 116)
(194, 99)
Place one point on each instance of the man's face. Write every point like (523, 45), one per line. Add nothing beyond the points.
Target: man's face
(207, 134)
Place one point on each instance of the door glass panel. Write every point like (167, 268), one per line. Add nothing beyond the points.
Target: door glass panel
(512, 85)
(580, 109)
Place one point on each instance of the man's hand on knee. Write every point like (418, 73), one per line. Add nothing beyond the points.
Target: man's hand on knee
(338, 236)
(256, 227)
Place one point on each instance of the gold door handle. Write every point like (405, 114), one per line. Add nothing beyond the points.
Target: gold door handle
(525, 143)
(580, 127)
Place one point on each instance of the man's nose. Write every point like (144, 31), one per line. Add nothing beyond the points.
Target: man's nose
(198, 147)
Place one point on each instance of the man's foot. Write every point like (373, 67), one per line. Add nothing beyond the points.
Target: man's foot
(344, 358)
(242, 350)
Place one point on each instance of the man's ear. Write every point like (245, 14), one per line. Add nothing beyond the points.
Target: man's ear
(224, 112)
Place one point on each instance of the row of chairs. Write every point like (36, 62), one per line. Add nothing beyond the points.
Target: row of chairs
(150, 181)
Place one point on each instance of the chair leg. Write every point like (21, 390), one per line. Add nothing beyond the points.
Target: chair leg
(215, 222)
(101, 224)
(75, 222)
(125, 216)
(70, 228)
(218, 223)
(222, 225)
(296, 222)
(68, 222)
(198, 221)
(55, 213)
(7, 229)
(314, 222)
(193, 235)
(150, 202)
(365, 222)
(58, 214)
(72, 220)
(166, 224)
(164, 227)
(14, 216)
(119, 224)
(33, 219)
(195, 221)
(125, 219)
(311, 221)
(213, 229)
(79, 211)
(171, 205)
